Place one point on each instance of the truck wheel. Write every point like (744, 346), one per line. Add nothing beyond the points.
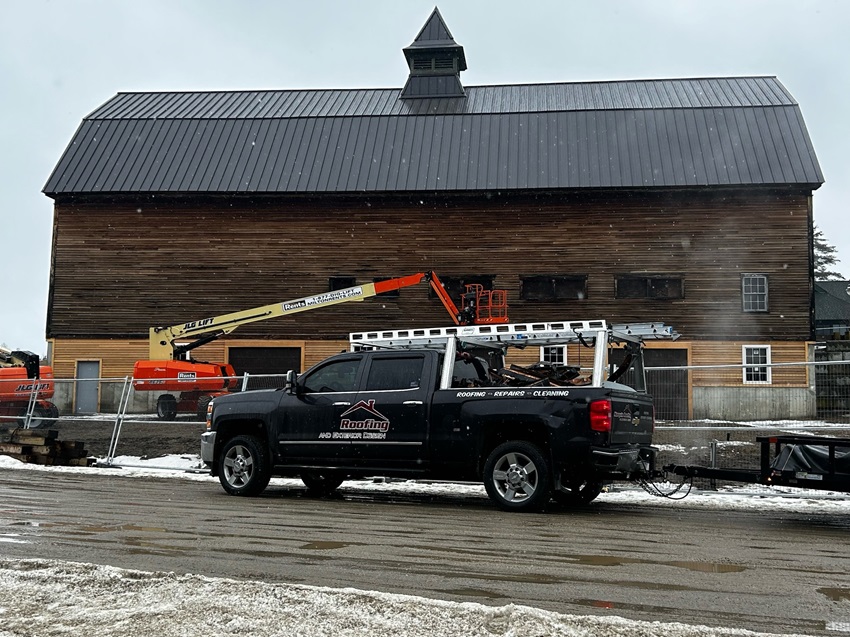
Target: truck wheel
(245, 468)
(321, 483)
(166, 407)
(578, 494)
(517, 477)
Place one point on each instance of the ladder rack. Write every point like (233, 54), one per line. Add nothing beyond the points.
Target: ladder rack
(514, 334)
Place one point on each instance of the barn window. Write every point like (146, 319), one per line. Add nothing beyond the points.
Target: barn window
(456, 285)
(341, 282)
(757, 364)
(556, 354)
(754, 292)
(650, 286)
(553, 287)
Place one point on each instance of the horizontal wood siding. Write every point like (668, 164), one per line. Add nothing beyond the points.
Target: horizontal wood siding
(116, 356)
(119, 269)
(730, 353)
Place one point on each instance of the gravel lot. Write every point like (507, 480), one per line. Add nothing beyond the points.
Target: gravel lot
(137, 438)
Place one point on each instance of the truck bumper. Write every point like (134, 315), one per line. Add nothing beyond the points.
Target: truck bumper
(207, 447)
(630, 462)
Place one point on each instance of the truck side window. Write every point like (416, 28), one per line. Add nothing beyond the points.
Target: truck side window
(395, 373)
(339, 376)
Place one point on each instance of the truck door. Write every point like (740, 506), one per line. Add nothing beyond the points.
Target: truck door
(310, 433)
(391, 411)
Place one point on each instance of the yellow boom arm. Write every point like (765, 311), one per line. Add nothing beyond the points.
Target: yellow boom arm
(162, 339)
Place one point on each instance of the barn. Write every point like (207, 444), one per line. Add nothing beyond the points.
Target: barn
(687, 201)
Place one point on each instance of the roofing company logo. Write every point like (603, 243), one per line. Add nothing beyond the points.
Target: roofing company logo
(364, 417)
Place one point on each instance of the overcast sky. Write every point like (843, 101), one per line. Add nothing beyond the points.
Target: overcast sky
(61, 59)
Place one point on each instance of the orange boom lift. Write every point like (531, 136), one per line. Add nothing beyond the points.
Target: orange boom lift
(23, 379)
(199, 382)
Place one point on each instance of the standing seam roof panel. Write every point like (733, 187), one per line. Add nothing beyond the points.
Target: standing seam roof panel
(164, 173)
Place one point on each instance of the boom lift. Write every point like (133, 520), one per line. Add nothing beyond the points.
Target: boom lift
(25, 387)
(199, 382)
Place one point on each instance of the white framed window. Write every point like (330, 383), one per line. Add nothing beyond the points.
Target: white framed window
(556, 354)
(757, 364)
(754, 292)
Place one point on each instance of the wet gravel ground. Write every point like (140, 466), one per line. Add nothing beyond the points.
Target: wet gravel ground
(148, 438)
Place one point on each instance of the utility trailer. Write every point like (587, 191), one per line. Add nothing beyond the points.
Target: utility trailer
(806, 462)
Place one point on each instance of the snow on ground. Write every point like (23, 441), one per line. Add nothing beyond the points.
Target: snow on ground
(44, 597)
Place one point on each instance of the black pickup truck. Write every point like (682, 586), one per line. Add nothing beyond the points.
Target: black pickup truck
(448, 409)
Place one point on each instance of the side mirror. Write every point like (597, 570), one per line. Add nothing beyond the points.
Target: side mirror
(290, 386)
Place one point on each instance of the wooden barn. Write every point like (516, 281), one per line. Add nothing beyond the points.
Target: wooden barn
(687, 201)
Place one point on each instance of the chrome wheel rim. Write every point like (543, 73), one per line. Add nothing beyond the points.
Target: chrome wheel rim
(515, 477)
(238, 466)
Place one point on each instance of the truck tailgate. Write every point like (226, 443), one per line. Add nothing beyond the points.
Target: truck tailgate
(632, 418)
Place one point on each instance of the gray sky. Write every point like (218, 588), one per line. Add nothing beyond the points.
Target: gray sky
(60, 59)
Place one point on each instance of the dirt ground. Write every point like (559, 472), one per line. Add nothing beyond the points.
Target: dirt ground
(147, 439)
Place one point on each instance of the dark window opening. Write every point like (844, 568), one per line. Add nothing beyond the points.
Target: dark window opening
(341, 282)
(661, 287)
(553, 287)
(456, 285)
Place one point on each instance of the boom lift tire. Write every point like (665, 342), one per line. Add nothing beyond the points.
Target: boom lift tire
(41, 416)
(245, 466)
(166, 407)
(517, 477)
(321, 483)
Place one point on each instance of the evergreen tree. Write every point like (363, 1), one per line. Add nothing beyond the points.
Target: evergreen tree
(825, 258)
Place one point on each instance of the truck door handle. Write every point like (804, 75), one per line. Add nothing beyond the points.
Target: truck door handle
(412, 402)
(342, 404)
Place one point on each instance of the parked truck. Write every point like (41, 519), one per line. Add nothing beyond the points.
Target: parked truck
(443, 404)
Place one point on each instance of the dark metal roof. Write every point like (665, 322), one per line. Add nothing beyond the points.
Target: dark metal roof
(832, 300)
(668, 133)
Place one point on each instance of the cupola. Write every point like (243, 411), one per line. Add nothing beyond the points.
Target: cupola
(435, 61)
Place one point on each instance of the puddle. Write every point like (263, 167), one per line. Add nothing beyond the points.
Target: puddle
(325, 546)
(835, 594)
(708, 567)
(701, 567)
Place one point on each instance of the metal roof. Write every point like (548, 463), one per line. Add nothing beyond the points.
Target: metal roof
(832, 300)
(667, 133)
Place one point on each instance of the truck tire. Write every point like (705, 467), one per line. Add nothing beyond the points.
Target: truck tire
(517, 477)
(579, 494)
(244, 468)
(166, 407)
(321, 483)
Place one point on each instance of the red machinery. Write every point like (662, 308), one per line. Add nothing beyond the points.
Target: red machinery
(23, 380)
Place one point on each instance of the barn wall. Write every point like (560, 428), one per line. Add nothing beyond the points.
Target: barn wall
(120, 268)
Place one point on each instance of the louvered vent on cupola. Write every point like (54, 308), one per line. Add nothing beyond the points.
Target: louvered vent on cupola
(435, 61)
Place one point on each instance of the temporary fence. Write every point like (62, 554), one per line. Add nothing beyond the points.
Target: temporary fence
(706, 415)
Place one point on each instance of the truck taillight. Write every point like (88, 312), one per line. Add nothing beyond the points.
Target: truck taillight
(600, 415)
(209, 415)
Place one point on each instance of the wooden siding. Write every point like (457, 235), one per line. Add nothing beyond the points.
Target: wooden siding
(118, 269)
(117, 356)
(731, 353)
